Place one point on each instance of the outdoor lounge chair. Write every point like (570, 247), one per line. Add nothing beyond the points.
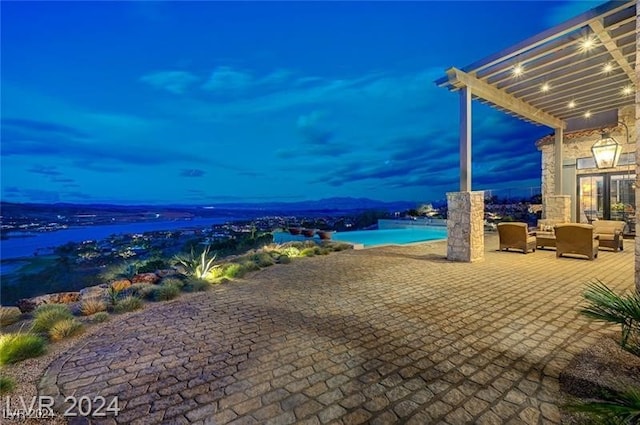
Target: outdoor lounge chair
(575, 238)
(516, 236)
(609, 233)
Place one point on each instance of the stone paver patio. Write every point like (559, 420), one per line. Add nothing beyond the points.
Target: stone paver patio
(384, 335)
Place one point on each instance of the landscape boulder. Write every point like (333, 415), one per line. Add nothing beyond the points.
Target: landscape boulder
(167, 272)
(145, 278)
(29, 304)
(93, 292)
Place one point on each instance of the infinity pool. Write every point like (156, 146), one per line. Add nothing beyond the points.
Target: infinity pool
(370, 238)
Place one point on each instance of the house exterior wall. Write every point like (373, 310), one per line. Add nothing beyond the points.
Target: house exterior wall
(575, 147)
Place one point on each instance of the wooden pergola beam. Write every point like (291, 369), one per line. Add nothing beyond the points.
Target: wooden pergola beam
(479, 88)
(601, 32)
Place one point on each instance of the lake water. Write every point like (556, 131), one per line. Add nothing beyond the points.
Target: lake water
(17, 247)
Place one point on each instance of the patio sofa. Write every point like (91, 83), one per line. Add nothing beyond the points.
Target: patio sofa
(516, 236)
(609, 233)
(576, 239)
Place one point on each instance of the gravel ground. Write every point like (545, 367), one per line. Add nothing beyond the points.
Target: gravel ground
(27, 374)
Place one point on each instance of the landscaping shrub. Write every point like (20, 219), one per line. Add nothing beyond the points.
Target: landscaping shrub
(100, 317)
(308, 252)
(15, 347)
(65, 328)
(6, 385)
(262, 259)
(153, 265)
(92, 306)
(9, 315)
(606, 306)
(48, 315)
(141, 290)
(291, 252)
(283, 259)
(128, 303)
(615, 408)
(197, 285)
(232, 270)
(249, 266)
(174, 281)
(166, 292)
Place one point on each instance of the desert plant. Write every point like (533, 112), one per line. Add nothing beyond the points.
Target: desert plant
(197, 285)
(124, 270)
(65, 328)
(622, 408)
(9, 315)
(166, 292)
(92, 306)
(606, 306)
(6, 385)
(198, 265)
(128, 303)
(15, 347)
(46, 316)
(100, 317)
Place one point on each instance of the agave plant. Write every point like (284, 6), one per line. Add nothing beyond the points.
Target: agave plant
(614, 409)
(606, 306)
(198, 265)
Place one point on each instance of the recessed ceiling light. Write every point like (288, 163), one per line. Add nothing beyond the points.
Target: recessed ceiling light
(572, 104)
(627, 90)
(545, 87)
(518, 69)
(587, 44)
(607, 68)
(587, 114)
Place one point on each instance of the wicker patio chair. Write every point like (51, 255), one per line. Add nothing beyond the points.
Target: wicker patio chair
(610, 233)
(516, 236)
(576, 239)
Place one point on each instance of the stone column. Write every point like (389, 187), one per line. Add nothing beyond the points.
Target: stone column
(465, 226)
(557, 208)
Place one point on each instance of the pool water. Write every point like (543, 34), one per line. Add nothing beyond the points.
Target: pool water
(370, 238)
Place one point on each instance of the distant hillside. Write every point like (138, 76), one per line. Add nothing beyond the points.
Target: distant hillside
(10, 209)
(338, 203)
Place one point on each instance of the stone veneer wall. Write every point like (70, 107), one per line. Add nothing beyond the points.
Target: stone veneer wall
(637, 134)
(465, 226)
(557, 208)
(580, 147)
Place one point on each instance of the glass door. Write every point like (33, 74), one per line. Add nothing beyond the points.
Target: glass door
(590, 198)
(608, 197)
(622, 200)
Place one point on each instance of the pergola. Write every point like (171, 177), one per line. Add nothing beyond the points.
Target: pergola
(581, 68)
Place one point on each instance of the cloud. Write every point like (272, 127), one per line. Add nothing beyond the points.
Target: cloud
(86, 152)
(42, 126)
(45, 170)
(225, 78)
(192, 173)
(176, 82)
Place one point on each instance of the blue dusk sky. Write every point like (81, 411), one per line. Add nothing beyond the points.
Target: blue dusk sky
(208, 102)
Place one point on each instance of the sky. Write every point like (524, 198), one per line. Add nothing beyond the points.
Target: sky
(217, 102)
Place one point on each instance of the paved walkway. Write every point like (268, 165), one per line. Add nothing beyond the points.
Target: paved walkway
(385, 335)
